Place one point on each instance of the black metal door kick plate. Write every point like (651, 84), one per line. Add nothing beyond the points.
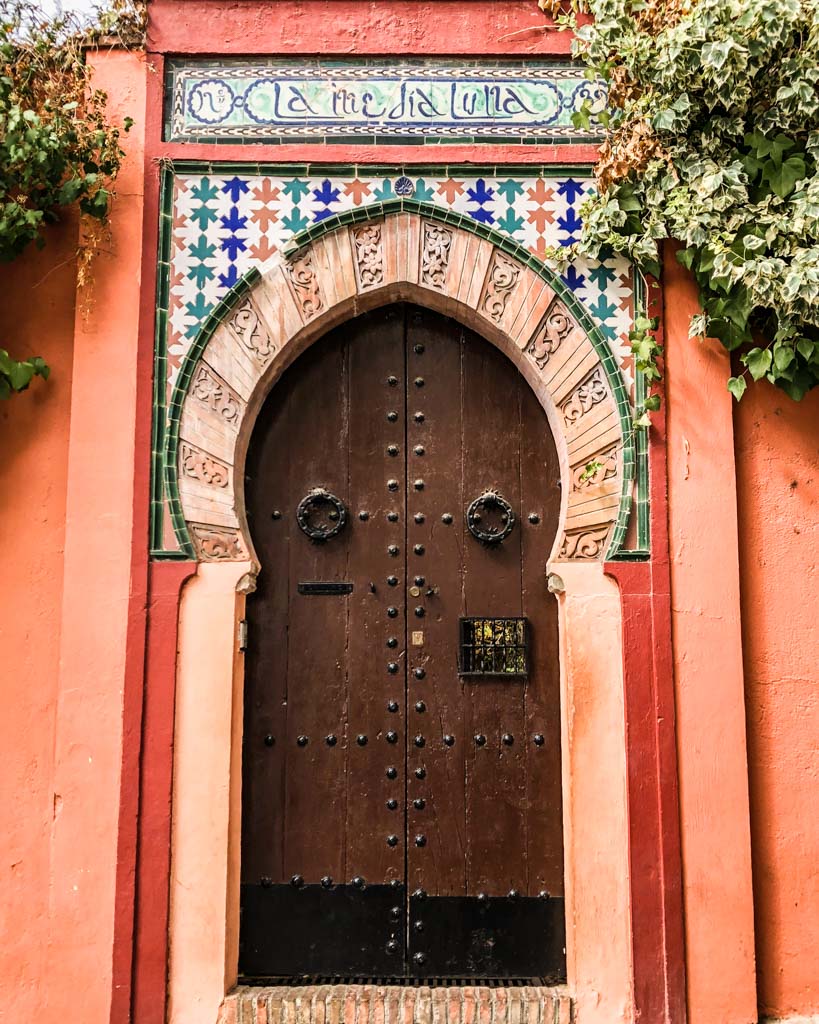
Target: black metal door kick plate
(313, 929)
(488, 937)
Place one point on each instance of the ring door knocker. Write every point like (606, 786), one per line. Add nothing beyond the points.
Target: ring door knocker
(321, 515)
(490, 518)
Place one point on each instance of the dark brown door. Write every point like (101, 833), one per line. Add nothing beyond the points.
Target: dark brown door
(402, 785)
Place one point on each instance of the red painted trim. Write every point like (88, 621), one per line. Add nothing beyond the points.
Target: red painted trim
(420, 28)
(390, 156)
(655, 855)
(156, 783)
(124, 945)
(123, 938)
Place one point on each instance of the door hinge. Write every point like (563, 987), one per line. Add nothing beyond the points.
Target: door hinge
(242, 634)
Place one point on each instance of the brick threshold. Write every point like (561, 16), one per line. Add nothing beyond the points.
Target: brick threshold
(397, 1004)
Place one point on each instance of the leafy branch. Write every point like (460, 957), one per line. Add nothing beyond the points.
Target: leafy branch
(712, 139)
(57, 147)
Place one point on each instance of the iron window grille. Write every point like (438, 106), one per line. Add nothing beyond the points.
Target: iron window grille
(494, 647)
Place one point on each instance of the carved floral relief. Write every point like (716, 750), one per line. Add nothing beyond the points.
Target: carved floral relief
(585, 544)
(217, 544)
(252, 332)
(552, 331)
(198, 465)
(585, 396)
(435, 250)
(605, 471)
(502, 277)
(215, 394)
(369, 255)
(304, 283)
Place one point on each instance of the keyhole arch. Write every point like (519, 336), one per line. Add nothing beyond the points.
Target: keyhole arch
(403, 251)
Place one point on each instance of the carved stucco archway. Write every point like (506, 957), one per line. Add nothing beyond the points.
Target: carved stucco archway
(354, 263)
(342, 268)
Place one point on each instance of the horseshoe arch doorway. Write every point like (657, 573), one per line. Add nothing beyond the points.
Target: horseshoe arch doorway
(402, 808)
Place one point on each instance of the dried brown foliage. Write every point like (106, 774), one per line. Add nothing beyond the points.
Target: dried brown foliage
(629, 149)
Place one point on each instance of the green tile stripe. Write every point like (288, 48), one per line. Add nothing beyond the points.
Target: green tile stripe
(643, 549)
(179, 394)
(393, 170)
(163, 273)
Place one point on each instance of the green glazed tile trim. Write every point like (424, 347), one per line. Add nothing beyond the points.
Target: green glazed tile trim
(160, 358)
(178, 395)
(640, 503)
(392, 171)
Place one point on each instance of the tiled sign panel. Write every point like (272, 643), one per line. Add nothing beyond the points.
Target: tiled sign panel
(337, 101)
(220, 223)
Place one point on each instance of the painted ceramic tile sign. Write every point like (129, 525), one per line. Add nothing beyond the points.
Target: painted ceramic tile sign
(430, 99)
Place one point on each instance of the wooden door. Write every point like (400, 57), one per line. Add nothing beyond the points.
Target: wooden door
(401, 787)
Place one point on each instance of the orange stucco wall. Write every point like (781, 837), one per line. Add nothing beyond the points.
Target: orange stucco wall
(744, 528)
(65, 533)
(33, 473)
(777, 459)
(708, 669)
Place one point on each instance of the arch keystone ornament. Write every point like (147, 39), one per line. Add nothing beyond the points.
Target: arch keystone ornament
(398, 251)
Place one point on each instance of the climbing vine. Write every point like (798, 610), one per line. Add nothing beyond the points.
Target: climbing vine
(57, 147)
(712, 140)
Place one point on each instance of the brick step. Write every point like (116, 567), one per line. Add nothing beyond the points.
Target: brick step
(397, 1004)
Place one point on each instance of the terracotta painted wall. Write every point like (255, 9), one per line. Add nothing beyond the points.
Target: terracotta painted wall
(65, 486)
(777, 459)
(33, 471)
(744, 526)
(708, 669)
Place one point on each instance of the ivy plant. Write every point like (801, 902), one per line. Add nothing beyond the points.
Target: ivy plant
(712, 140)
(57, 147)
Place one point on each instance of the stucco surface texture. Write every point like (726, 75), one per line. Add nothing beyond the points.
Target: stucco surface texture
(33, 472)
(777, 459)
(744, 493)
(66, 484)
(743, 499)
(708, 669)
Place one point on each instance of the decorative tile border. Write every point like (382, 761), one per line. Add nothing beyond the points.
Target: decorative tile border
(221, 221)
(399, 251)
(354, 100)
(226, 221)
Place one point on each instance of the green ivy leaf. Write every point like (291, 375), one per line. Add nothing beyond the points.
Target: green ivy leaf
(664, 120)
(782, 357)
(590, 469)
(783, 178)
(581, 118)
(737, 386)
(758, 361)
(20, 376)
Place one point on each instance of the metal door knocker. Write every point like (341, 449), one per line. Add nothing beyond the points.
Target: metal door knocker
(321, 515)
(490, 518)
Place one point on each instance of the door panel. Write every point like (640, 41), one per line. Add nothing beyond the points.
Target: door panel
(434, 356)
(372, 768)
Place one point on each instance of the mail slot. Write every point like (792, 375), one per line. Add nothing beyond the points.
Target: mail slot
(320, 587)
